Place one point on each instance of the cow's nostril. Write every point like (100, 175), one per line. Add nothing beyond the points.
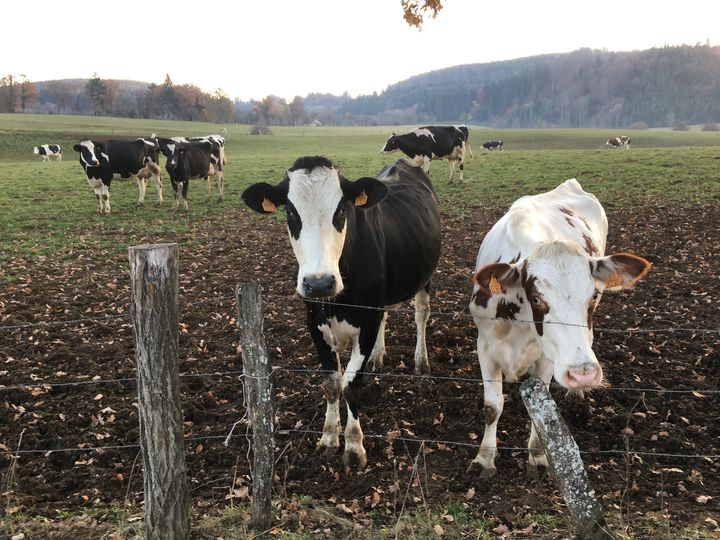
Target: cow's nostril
(319, 286)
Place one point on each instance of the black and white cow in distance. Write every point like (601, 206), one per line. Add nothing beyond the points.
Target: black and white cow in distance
(493, 145)
(186, 160)
(431, 142)
(47, 150)
(622, 141)
(216, 139)
(540, 273)
(361, 246)
(104, 161)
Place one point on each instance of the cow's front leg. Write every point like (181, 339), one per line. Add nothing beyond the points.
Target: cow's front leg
(422, 314)
(331, 385)
(355, 454)
(493, 407)
(461, 167)
(105, 199)
(377, 356)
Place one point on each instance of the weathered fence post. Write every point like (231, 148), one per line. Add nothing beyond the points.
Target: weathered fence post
(153, 309)
(565, 461)
(259, 398)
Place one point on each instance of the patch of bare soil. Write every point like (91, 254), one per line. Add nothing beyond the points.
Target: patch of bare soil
(643, 410)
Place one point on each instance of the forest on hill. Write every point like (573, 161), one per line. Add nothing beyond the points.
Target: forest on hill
(664, 86)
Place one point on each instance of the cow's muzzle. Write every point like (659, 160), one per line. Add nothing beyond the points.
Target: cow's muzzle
(319, 286)
(587, 375)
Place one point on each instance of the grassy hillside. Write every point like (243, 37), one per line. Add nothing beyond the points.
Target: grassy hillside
(48, 208)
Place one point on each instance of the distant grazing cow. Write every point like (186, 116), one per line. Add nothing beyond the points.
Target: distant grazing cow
(466, 133)
(361, 246)
(431, 142)
(47, 150)
(104, 161)
(619, 142)
(543, 261)
(197, 159)
(493, 145)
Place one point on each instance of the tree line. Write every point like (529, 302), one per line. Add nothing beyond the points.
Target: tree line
(664, 86)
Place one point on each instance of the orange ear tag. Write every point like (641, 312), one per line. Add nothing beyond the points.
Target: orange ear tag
(268, 205)
(495, 286)
(361, 199)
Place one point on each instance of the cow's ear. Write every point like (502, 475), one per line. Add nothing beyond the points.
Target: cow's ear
(77, 147)
(496, 278)
(264, 197)
(365, 192)
(619, 271)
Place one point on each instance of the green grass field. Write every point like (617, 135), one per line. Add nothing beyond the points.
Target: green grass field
(48, 208)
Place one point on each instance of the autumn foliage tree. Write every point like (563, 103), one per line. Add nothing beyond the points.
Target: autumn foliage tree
(415, 11)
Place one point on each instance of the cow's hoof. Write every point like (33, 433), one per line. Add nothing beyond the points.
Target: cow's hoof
(422, 369)
(485, 472)
(329, 451)
(535, 473)
(355, 461)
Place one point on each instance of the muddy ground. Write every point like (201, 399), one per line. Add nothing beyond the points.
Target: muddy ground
(634, 339)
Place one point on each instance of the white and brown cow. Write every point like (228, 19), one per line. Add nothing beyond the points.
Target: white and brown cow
(47, 150)
(622, 141)
(540, 273)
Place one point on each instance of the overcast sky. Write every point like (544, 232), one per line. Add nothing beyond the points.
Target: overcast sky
(293, 47)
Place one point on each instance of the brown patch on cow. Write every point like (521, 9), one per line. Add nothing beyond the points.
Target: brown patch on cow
(506, 310)
(482, 297)
(538, 305)
(590, 247)
(570, 222)
(567, 211)
(491, 414)
(587, 225)
(591, 310)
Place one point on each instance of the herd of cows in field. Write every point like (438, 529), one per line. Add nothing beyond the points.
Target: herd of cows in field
(363, 246)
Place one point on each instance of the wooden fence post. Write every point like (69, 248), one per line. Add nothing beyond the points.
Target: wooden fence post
(260, 400)
(565, 461)
(153, 309)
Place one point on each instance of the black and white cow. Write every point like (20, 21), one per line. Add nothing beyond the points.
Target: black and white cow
(540, 273)
(431, 142)
(493, 145)
(361, 246)
(216, 139)
(466, 134)
(104, 161)
(623, 141)
(47, 150)
(197, 159)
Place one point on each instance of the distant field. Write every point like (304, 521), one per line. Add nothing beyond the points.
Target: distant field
(48, 208)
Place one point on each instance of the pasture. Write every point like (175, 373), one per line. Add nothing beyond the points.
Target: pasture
(651, 439)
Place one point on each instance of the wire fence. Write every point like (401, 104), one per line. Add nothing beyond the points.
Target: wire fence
(28, 386)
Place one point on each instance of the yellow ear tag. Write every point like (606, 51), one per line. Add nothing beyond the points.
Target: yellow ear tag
(361, 199)
(613, 281)
(495, 286)
(268, 205)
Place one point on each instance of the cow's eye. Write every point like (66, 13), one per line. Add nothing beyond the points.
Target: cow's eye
(535, 299)
(596, 296)
(291, 214)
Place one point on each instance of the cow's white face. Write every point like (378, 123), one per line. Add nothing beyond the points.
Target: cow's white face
(317, 203)
(88, 153)
(316, 220)
(558, 287)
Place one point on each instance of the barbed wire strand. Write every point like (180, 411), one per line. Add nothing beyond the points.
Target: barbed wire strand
(240, 374)
(455, 314)
(389, 438)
